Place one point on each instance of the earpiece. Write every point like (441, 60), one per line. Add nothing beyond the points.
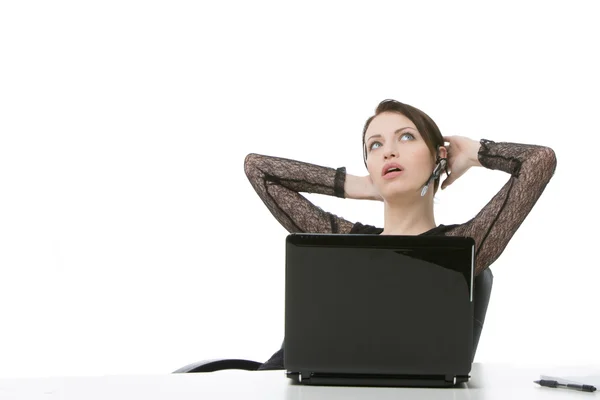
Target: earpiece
(441, 164)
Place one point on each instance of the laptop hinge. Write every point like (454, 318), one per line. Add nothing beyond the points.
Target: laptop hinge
(338, 379)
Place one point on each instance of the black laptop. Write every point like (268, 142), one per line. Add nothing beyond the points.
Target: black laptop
(372, 310)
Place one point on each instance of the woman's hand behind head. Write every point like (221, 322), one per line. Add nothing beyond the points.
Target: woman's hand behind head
(462, 155)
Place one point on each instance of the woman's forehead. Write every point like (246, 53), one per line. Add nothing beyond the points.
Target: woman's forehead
(389, 122)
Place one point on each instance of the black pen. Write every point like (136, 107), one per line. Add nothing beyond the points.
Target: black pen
(556, 384)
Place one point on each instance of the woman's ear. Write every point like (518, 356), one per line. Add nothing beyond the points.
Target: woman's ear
(443, 152)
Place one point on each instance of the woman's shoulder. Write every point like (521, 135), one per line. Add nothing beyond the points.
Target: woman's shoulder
(363, 229)
(441, 229)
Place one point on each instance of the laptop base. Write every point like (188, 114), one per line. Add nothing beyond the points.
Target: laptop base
(332, 379)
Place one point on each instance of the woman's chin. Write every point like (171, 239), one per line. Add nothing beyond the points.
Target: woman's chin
(398, 191)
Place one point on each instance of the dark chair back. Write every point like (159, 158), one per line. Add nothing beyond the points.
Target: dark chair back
(482, 290)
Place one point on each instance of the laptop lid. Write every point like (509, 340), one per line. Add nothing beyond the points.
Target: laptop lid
(372, 305)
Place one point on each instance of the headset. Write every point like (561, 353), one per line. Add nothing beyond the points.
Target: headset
(441, 164)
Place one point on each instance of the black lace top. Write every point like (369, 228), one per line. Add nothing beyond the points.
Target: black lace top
(279, 182)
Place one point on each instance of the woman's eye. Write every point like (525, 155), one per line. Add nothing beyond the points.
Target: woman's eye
(373, 144)
(407, 135)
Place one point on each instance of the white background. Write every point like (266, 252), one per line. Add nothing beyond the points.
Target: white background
(130, 238)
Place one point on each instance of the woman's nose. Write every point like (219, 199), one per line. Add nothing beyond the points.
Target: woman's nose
(389, 153)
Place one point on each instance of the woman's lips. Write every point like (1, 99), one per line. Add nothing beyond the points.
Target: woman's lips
(392, 175)
(389, 166)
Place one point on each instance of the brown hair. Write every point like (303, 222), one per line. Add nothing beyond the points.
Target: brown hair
(425, 125)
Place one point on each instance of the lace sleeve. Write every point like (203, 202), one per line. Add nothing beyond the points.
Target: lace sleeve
(279, 181)
(531, 168)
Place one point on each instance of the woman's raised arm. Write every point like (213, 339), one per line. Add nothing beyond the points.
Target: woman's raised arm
(530, 168)
(279, 182)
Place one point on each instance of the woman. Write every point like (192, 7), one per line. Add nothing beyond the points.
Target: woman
(405, 155)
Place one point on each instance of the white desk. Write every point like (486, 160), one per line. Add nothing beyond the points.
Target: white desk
(489, 382)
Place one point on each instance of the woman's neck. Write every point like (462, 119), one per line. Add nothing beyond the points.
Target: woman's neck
(409, 216)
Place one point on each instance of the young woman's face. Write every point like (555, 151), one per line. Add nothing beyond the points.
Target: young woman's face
(393, 140)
